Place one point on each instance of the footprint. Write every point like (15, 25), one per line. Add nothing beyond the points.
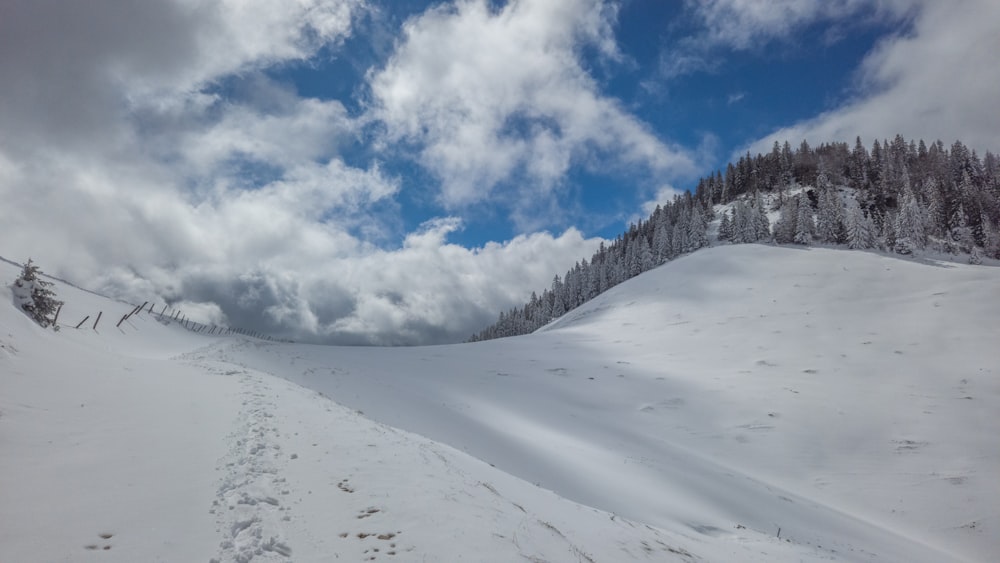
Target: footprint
(95, 547)
(367, 513)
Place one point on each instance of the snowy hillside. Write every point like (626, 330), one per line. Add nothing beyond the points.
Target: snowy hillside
(848, 399)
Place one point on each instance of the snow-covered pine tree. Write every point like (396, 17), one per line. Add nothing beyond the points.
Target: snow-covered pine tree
(935, 214)
(961, 233)
(725, 227)
(558, 298)
(35, 295)
(678, 240)
(830, 216)
(860, 229)
(992, 236)
(910, 235)
(786, 166)
(697, 237)
(761, 224)
(646, 260)
(804, 226)
(784, 227)
(661, 242)
(740, 224)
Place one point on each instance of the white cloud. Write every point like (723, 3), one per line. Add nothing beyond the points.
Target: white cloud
(665, 194)
(746, 25)
(431, 290)
(500, 97)
(123, 168)
(71, 71)
(937, 80)
(263, 258)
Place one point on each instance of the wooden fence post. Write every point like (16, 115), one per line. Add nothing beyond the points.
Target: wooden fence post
(98, 319)
(55, 321)
(121, 321)
(83, 321)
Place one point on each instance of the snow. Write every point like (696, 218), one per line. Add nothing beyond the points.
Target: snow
(848, 398)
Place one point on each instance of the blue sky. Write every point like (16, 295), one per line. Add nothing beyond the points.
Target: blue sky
(715, 110)
(383, 172)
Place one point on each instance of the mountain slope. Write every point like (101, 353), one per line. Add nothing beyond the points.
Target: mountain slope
(710, 391)
(847, 398)
(131, 444)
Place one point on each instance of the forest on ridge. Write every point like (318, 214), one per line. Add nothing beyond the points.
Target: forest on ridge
(899, 196)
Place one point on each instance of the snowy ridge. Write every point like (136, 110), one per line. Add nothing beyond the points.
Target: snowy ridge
(845, 398)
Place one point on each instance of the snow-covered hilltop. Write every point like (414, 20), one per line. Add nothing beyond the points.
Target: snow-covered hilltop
(906, 198)
(848, 399)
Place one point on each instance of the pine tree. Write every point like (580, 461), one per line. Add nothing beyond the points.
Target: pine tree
(741, 223)
(784, 227)
(804, 226)
(725, 226)
(558, 297)
(961, 233)
(697, 237)
(910, 235)
(830, 217)
(761, 224)
(860, 229)
(646, 260)
(35, 295)
(785, 166)
(935, 214)
(661, 242)
(678, 240)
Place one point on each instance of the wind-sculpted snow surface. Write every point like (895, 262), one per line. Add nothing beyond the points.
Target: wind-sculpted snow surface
(744, 403)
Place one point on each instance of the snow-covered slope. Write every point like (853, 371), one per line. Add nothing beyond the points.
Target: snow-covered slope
(132, 444)
(849, 399)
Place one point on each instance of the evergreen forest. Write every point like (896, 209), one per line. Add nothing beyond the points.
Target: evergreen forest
(904, 197)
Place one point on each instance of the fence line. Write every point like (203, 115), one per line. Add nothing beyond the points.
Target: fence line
(178, 316)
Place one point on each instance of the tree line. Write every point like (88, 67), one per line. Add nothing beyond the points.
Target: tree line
(898, 196)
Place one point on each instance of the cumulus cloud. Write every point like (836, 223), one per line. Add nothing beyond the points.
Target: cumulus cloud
(329, 287)
(71, 70)
(500, 98)
(147, 155)
(935, 80)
